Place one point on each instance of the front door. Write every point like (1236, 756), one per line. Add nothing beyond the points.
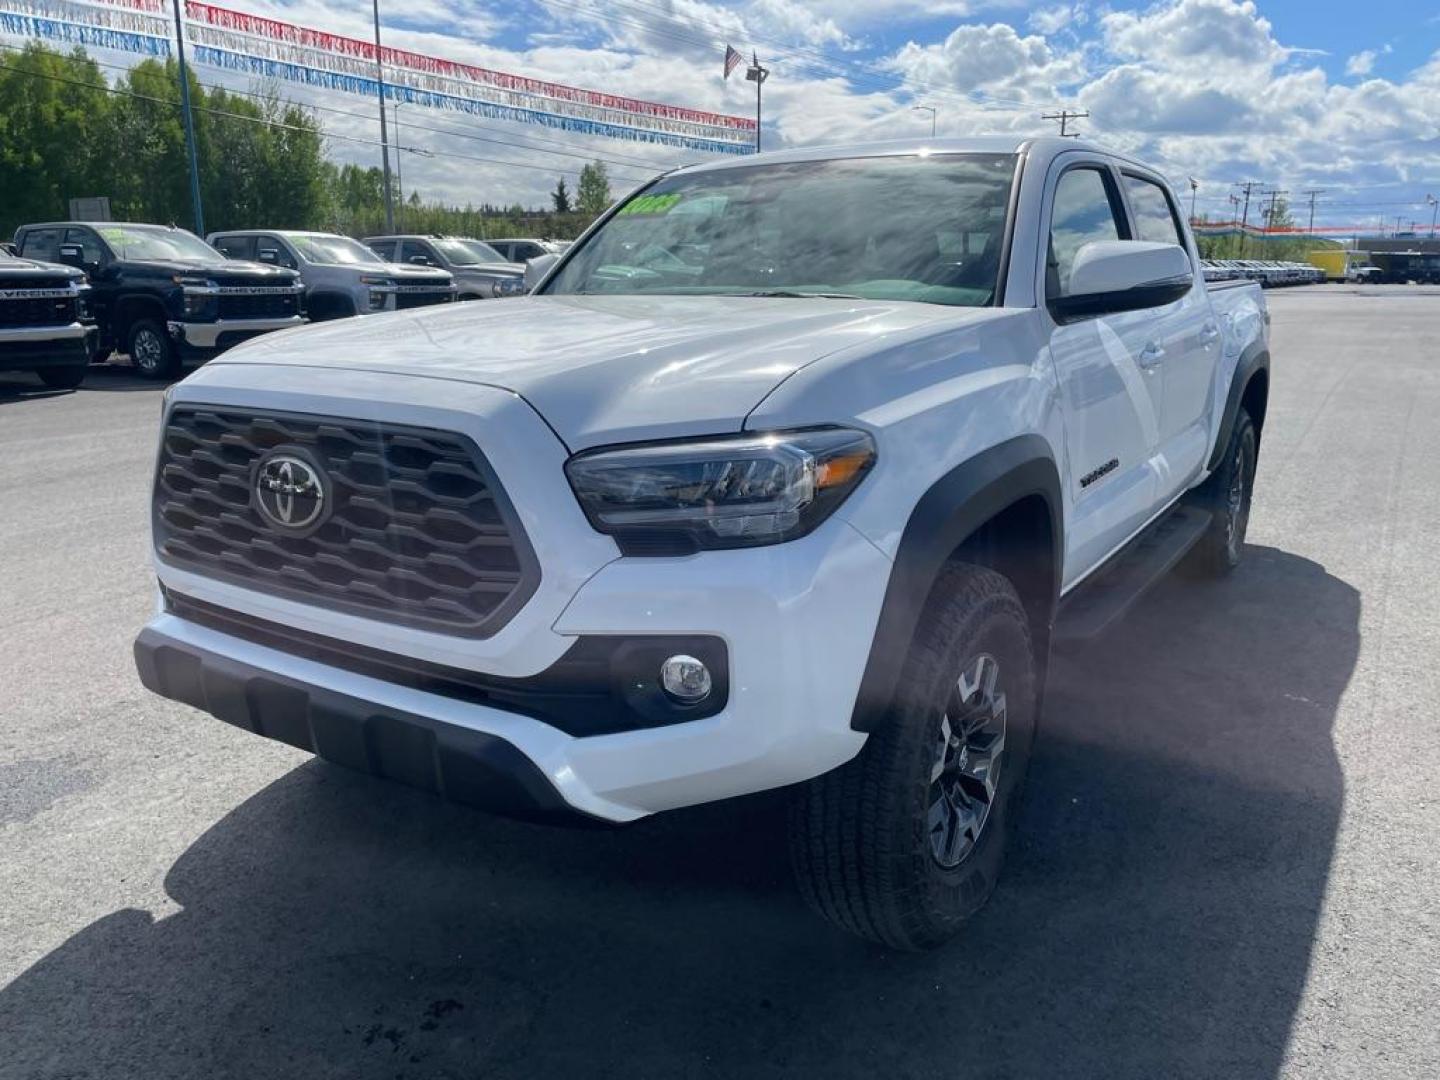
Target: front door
(1110, 389)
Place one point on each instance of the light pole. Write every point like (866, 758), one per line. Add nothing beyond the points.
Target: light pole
(931, 110)
(1434, 211)
(1194, 189)
(189, 125)
(757, 74)
(384, 135)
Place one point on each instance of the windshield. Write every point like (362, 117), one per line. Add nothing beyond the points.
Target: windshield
(468, 252)
(136, 242)
(333, 250)
(925, 228)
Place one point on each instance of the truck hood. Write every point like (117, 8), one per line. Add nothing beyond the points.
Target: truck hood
(490, 270)
(24, 271)
(615, 368)
(221, 269)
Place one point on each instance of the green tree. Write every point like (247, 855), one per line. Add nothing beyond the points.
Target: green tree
(594, 191)
(561, 197)
(54, 119)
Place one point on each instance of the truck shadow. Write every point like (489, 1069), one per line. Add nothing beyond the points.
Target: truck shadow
(1156, 918)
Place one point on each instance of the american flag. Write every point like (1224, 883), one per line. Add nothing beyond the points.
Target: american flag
(732, 60)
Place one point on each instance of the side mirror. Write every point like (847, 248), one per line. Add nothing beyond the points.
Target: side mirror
(269, 255)
(419, 260)
(73, 255)
(537, 268)
(1110, 276)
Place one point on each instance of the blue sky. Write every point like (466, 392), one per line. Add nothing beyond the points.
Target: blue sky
(1297, 93)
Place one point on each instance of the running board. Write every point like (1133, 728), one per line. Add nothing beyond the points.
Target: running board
(1111, 590)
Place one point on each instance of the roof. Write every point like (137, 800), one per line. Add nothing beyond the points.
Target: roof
(102, 224)
(1046, 146)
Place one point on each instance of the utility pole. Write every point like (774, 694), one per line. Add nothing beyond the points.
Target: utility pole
(1312, 192)
(384, 134)
(757, 74)
(1065, 116)
(1249, 186)
(931, 110)
(189, 125)
(399, 166)
(1194, 190)
(1434, 212)
(1234, 207)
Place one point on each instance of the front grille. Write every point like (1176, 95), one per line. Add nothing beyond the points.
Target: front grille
(419, 531)
(420, 299)
(37, 311)
(261, 306)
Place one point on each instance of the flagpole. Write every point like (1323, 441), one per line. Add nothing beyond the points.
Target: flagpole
(757, 75)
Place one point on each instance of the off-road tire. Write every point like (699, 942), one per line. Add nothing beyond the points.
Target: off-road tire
(63, 378)
(861, 835)
(1226, 494)
(157, 357)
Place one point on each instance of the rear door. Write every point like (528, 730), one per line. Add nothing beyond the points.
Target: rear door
(1111, 403)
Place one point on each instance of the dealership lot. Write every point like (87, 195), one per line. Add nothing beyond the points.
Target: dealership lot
(1230, 858)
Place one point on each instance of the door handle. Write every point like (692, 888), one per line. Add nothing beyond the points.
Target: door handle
(1151, 355)
(1209, 335)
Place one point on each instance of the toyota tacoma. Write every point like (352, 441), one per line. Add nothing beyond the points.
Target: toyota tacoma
(802, 505)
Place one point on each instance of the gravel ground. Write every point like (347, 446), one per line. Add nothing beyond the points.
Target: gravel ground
(1229, 862)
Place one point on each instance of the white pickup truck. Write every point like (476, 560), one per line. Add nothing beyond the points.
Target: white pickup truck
(787, 474)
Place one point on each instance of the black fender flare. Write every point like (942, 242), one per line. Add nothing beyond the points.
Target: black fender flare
(343, 301)
(949, 513)
(1255, 358)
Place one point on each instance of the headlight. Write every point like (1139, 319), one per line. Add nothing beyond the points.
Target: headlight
(510, 286)
(199, 292)
(744, 491)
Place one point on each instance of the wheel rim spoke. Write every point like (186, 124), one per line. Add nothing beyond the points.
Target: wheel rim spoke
(968, 758)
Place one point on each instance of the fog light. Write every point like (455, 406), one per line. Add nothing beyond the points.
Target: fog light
(685, 679)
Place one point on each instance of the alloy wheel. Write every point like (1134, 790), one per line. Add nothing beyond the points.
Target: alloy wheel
(1237, 503)
(147, 351)
(967, 763)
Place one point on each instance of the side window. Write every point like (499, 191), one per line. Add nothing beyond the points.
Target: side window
(384, 248)
(409, 249)
(504, 250)
(1083, 212)
(94, 251)
(525, 252)
(43, 244)
(282, 255)
(236, 247)
(1155, 217)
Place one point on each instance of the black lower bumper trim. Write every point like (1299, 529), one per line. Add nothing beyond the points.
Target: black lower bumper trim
(463, 766)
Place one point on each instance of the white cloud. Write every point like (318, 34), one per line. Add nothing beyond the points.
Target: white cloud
(1362, 63)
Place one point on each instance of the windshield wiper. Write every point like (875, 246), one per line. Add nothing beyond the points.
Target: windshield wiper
(791, 294)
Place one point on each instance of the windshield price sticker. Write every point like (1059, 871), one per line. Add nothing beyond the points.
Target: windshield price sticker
(650, 204)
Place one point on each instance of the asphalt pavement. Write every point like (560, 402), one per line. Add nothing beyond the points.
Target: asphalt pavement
(1228, 863)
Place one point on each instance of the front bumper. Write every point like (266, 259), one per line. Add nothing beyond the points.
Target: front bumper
(223, 333)
(797, 619)
(25, 348)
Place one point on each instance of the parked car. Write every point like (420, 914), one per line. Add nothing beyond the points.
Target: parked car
(342, 277)
(163, 295)
(480, 272)
(46, 325)
(805, 518)
(523, 250)
(7, 248)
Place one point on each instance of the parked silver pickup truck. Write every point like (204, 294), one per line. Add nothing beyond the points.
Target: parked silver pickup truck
(342, 277)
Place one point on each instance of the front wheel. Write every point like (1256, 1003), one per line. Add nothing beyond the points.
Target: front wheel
(904, 843)
(151, 350)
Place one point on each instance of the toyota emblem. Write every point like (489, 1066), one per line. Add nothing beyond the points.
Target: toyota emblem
(289, 492)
